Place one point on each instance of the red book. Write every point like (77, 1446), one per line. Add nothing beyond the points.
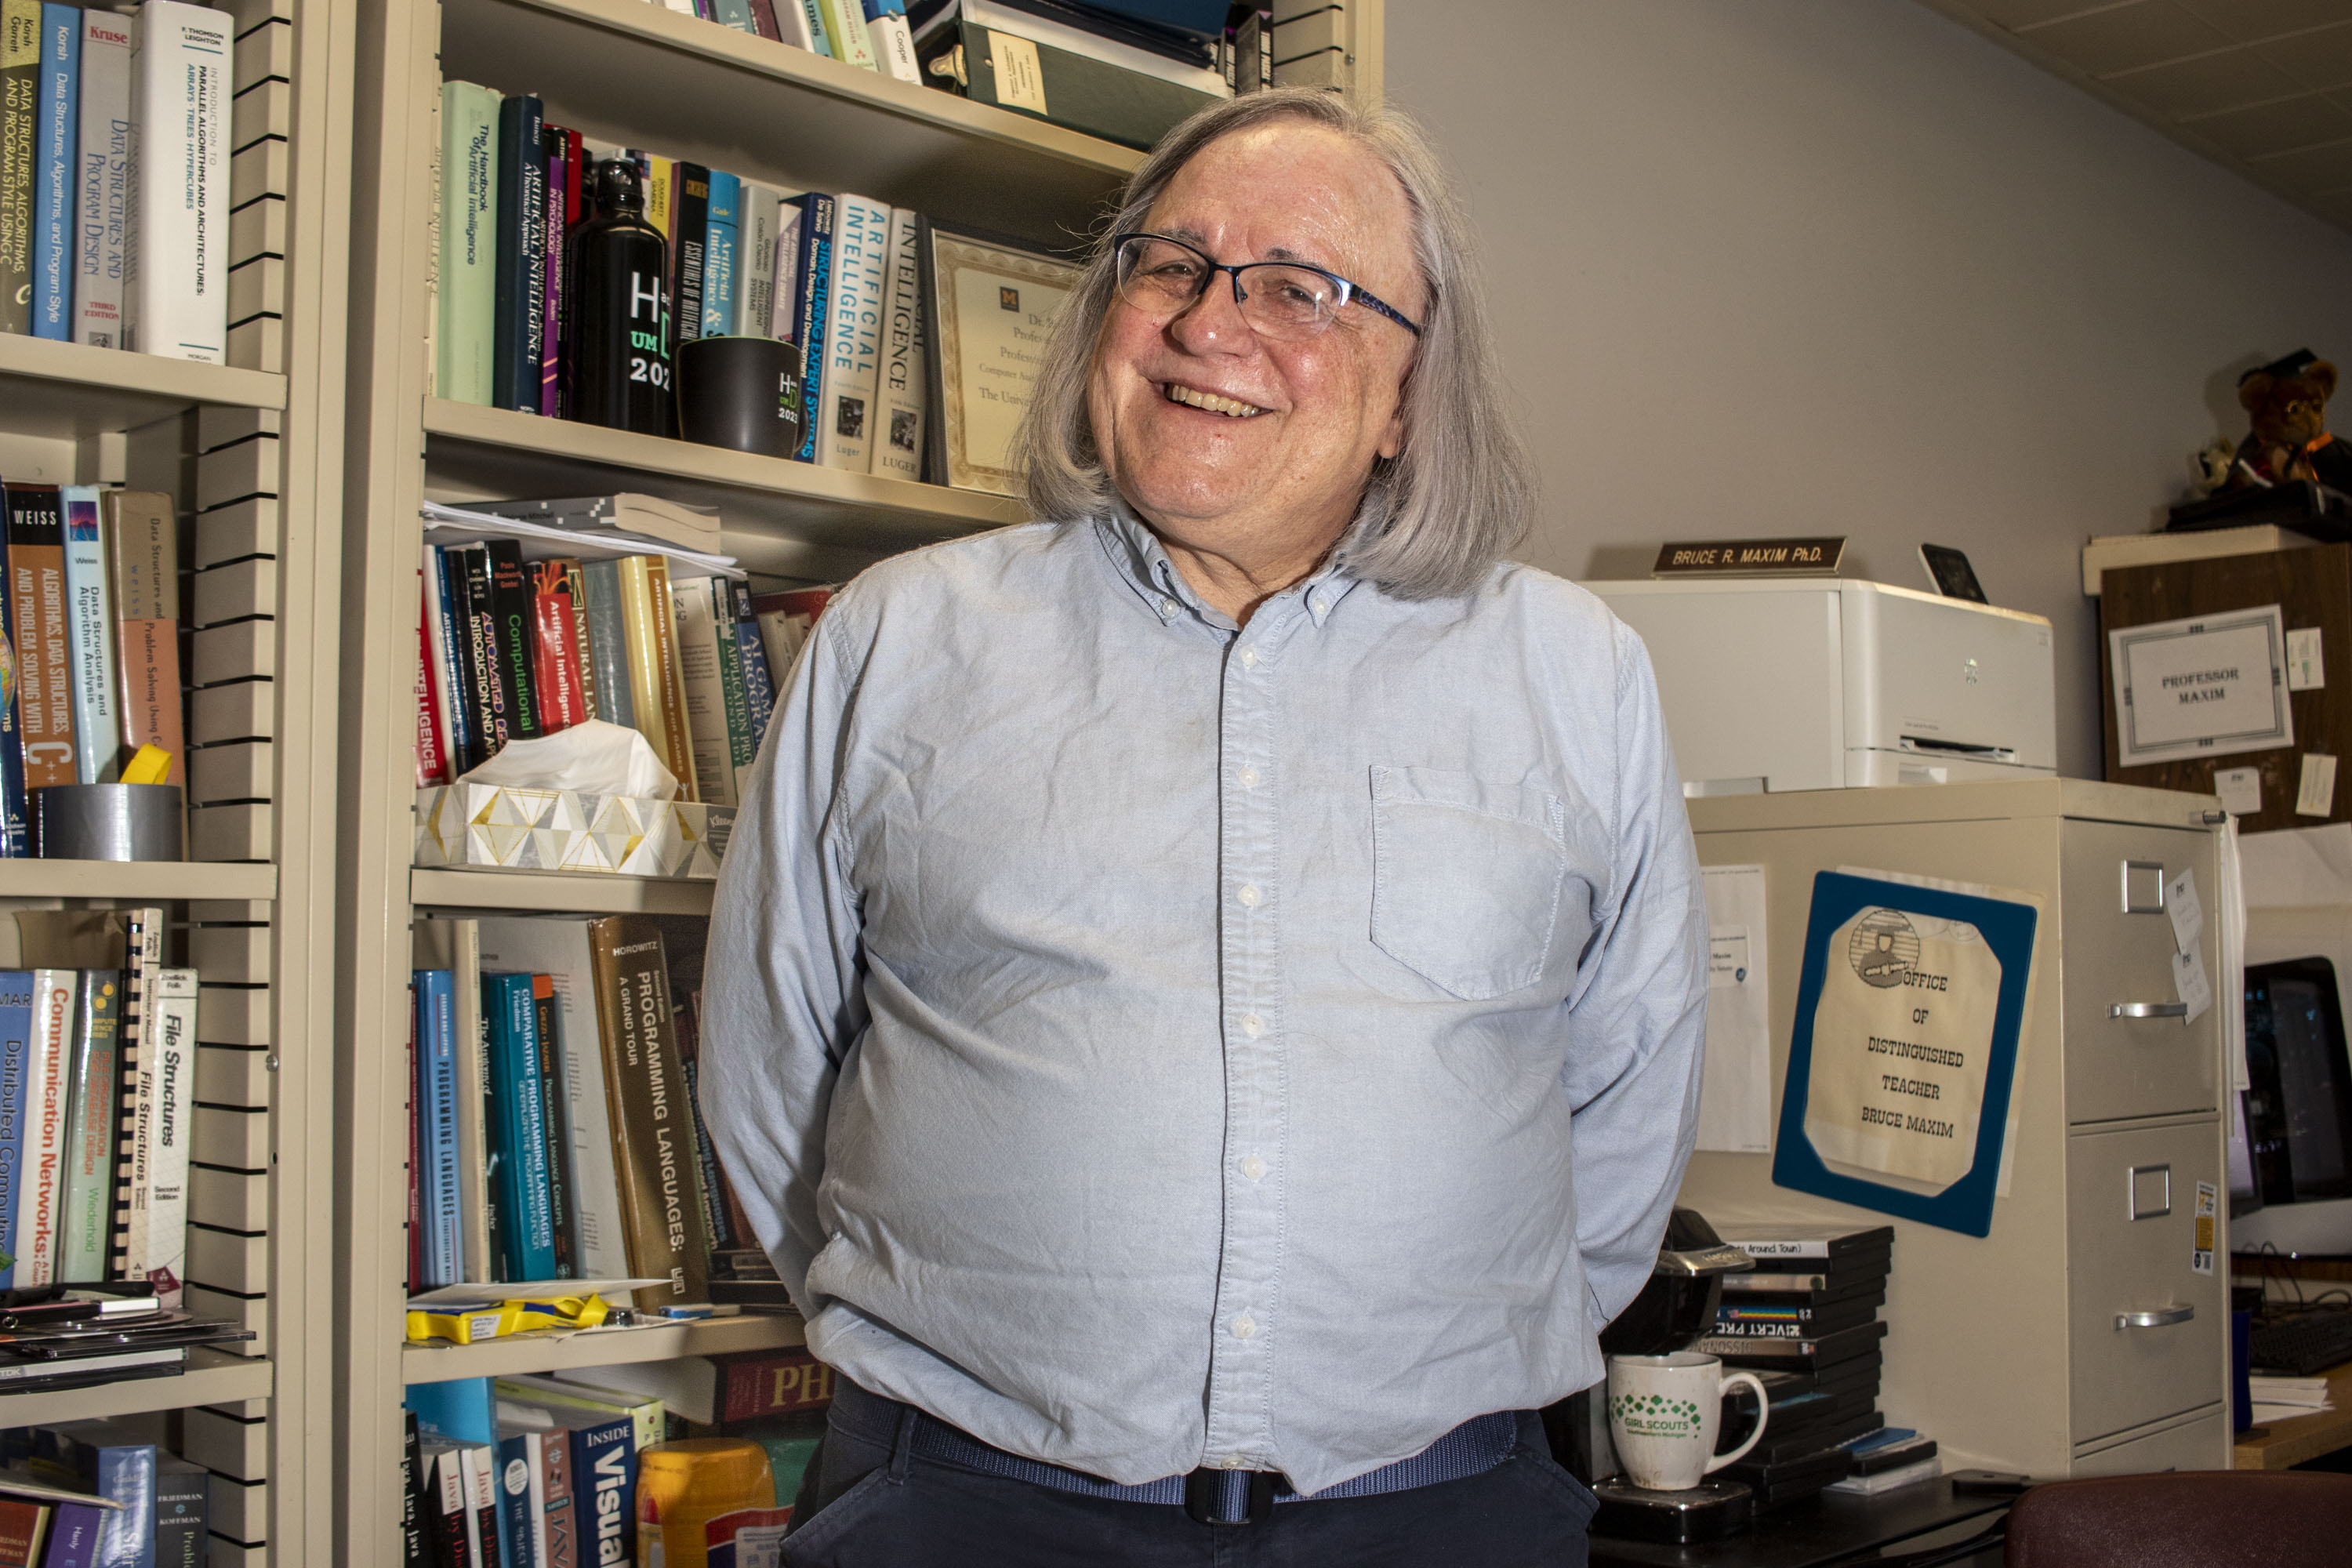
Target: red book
(764, 17)
(23, 1523)
(771, 1382)
(555, 649)
(432, 750)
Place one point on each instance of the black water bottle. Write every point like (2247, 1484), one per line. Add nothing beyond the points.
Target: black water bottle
(620, 344)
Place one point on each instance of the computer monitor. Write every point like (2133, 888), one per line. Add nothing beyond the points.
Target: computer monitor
(2293, 1130)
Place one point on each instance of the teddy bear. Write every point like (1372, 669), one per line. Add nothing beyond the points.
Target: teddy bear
(2287, 402)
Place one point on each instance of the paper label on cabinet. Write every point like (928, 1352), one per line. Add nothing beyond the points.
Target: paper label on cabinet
(2203, 687)
(2304, 672)
(2180, 904)
(2189, 979)
(2241, 789)
(2209, 1203)
(2316, 794)
(1902, 1038)
(1727, 956)
(1020, 83)
(1735, 1099)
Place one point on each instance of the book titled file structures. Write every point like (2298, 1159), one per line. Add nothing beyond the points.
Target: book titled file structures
(115, 138)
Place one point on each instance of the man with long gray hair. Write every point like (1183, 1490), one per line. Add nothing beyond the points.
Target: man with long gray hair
(1205, 992)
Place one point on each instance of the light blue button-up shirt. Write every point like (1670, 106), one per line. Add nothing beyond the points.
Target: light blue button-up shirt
(1147, 1043)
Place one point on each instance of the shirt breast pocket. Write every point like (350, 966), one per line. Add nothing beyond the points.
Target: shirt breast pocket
(1466, 878)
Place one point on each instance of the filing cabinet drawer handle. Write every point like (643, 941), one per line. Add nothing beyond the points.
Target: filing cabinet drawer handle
(2149, 1010)
(2156, 1317)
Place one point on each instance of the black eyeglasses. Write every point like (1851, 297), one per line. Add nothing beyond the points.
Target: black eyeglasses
(1286, 300)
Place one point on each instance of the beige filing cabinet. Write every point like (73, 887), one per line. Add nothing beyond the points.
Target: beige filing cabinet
(2076, 1337)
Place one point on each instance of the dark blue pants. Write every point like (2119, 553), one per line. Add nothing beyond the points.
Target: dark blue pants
(869, 1502)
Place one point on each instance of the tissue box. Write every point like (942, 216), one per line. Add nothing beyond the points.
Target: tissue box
(567, 830)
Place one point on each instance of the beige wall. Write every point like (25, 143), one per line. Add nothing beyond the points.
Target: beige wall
(1802, 267)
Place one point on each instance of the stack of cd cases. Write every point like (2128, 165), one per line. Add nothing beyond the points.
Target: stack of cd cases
(1806, 1322)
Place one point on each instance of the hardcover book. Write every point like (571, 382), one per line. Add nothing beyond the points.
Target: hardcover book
(42, 1157)
(706, 690)
(466, 289)
(721, 223)
(16, 1044)
(140, 532)
(903, 393)
(689, 231)
(518, 325)
(512, 613)
(90, 641)
(102, 204)
(183, 1505)
(653, 1133)
(167, 1103)
(20, 109)
(176, 287)
(54, 181)
(37, 595)
(853, 336)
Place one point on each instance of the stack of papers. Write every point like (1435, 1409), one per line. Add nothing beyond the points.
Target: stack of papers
(2284, 1398)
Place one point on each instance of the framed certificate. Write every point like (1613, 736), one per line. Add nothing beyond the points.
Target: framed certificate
(992, 303)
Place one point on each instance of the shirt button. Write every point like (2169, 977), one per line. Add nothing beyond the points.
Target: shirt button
(1249, 659)
(1233, 1462)
(1319, 603)
(1249, 895)
(1248, 777)
(1167, 607)
(1253, 1167)
(1244, 1327)
(1253, 1025)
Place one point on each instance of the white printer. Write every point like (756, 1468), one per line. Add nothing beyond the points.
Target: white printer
(1818, 683)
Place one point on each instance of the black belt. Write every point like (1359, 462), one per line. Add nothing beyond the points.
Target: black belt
(1211, 1496)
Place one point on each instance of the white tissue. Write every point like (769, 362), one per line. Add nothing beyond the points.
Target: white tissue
(593, 758)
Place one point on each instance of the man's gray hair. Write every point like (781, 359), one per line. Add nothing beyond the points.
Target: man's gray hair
(1456, 495)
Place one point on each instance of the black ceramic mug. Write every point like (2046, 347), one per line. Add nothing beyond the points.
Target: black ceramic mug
(743, 394)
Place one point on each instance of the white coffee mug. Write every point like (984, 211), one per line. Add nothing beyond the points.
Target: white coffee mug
(1664, 1413)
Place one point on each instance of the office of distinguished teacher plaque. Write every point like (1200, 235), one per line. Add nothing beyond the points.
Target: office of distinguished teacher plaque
(994, 306)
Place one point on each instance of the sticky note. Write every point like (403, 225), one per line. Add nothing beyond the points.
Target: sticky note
(2241, 789)
(2189, 979)
(2180, 904)
(2304, 671)
(2317, 797)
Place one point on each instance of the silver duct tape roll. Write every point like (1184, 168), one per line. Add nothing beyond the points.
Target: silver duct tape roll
(107, 821)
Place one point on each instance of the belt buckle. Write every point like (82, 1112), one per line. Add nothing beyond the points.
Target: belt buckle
(1201, 1489)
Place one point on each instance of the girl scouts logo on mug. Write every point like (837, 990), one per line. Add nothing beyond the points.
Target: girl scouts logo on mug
(1655, 1416)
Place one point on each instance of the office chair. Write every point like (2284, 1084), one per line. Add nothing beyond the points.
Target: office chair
(2195, 1519)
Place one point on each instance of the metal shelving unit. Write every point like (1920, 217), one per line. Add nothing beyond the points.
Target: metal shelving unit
(698, 90)
(251, 452)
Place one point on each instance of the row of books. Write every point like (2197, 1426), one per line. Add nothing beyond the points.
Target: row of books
(553, 1127)
(1122, 70)
(96, 1109)
(89, 617)
(546, 1472)
(834, 274)
(81, 1494)
(115, 133)
(512, 648)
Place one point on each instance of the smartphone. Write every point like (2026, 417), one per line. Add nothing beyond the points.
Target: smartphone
(1950, 572)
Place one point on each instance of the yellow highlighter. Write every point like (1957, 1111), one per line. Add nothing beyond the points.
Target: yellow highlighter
(151, 765)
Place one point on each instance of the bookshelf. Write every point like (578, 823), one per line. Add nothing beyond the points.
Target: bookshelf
(635, 73)
(250, 451)
(598, 1347)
